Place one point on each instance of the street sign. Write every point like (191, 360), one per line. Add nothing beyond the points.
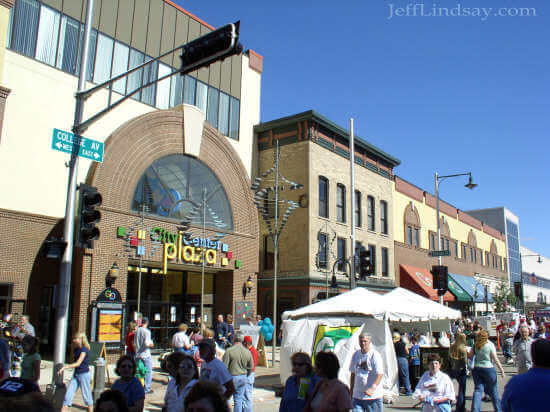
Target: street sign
(68, 142)
(435, 253)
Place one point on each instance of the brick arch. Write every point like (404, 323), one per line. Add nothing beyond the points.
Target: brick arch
(135, 145)
(472, 241)
(411, 216)
(444, 227)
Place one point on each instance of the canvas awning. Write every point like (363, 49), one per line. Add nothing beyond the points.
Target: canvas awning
(420, 281)
(403, 300)
(471, 286)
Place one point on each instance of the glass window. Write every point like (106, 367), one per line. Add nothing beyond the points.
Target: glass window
(323, 196)
(358, 208)
(416, 237)
(409, 235)
(223, 126)
(372, 249)
(456, 249)
(322, 257)
(176, 90)
(163, 87)
(341, 254)
(91, 52)
(355, 262)
(385, 266)
(120, 65)
(104, 57)
(234, 115)
(384, 217)
(202, 96)
(212, 108)
(189, 87)
(172, 187)
(432, 241)
(464, 251)
(269, 253)
(135, 80)
(150, 73)
(447, 244)
(370, 212)
(25, 27)
(340, 203)
(48, 32)
(68, 45)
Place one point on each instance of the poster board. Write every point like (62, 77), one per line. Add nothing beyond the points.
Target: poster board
(243, 311)
(253, 332)
(109, 325)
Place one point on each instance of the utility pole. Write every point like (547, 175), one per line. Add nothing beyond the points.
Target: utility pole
(352, 186)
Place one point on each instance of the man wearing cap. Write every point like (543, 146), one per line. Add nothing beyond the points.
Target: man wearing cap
(247, 342)
(213, 369)
(144, 343)
(239, 362)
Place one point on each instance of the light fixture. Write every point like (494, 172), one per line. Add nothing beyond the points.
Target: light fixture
(470, 185)
(112, 275)
(54, 248)
(247, 286)
(539, 260)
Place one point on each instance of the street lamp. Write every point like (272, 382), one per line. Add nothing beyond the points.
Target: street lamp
(470, 185)
(539, 260)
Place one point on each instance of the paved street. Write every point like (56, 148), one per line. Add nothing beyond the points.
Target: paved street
(265, 397)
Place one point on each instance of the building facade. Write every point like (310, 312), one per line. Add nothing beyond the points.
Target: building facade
(315, 153)
(535, 275)
(477, 251)
(175, 178)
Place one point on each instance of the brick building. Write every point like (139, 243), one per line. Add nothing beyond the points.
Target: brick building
(185, 138)
(315, 152)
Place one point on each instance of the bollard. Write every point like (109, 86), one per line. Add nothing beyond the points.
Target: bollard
(99, 377)
(56, 391)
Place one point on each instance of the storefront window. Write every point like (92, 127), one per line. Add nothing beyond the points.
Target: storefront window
(173, 187)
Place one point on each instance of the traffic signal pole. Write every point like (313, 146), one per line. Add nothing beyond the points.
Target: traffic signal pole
(64, 288)
(438, 226)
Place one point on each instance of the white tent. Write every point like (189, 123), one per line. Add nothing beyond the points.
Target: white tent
(335, 324)
(418, 307)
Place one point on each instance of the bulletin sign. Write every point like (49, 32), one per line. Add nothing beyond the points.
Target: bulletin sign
(109, 325)
(243, 311)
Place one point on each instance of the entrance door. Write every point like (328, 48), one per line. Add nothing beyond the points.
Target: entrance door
(5, 298)
(45, 316)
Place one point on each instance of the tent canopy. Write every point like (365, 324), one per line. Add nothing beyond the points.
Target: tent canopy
(404, 301)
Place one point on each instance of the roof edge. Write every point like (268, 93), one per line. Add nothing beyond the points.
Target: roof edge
(177, 6)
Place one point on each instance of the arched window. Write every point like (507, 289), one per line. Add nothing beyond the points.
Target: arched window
(412, 226)
(173, 187)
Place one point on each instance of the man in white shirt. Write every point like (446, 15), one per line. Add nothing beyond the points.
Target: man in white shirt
(180, 340)
(144, 343)
(366, 370)
(213, 369)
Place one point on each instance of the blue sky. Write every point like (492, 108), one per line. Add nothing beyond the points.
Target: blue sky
(442, 93)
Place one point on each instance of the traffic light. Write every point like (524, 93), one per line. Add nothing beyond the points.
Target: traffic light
(518, 292)
(441, 277)
(213, 46)
(88, 216)
(365, 263)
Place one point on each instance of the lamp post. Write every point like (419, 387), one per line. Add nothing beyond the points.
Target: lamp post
(470, 185)
(522, 297)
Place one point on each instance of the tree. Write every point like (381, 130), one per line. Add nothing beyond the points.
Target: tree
(504, 298)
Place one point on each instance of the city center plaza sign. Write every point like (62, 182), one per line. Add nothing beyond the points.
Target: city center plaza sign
(180, 247)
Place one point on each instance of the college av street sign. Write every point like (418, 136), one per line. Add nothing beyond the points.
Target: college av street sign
(435, 253)
(83, 147)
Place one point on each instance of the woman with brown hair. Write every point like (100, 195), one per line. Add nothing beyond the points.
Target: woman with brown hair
(299, 385)
(458, 357)
(484, 374)
(128, 384)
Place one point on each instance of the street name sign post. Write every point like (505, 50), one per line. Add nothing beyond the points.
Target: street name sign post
(83, 147)
(435, 253)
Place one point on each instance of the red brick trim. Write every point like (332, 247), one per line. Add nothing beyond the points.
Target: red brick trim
(466, 218)
(255, 61)
(409, 189)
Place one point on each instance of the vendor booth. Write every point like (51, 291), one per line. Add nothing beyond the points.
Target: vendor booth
(335, 324)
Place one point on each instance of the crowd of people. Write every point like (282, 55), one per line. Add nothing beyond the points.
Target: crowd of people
(214, 370)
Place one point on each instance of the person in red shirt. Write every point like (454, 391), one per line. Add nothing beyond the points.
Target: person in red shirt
(247, 342)
(130, 345)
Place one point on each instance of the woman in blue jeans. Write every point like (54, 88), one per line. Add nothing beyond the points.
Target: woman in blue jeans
(484, 374)
(81, 376)
(458, 357)
(402, 354)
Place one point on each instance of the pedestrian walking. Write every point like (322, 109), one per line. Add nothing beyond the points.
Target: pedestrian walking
(300, 385)
(180, 340)
(30, 365)
(128, 384)
(130, 337)
(144, 343)
(508, 342)
(366, 370)
(221, 330)
(239, 362)
(213, 369)
(458, 357)
(230, 328)
(329, 394)
(522, 350)
(185, 377)
(435, 388)
(414, 362)
(484, 374)
(81, 376)
(529, 391)
(402, 354)
(247, 343)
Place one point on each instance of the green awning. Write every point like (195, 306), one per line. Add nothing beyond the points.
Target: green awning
(460, 294)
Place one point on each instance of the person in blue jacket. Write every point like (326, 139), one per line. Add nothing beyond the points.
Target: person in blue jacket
(299, 385)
